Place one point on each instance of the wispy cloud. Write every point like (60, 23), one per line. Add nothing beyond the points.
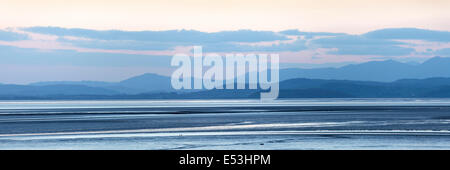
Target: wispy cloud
(292, 45)
(409, 34)
(8, 35)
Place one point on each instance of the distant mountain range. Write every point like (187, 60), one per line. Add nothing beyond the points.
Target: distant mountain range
(372, 79)
(139, 84)
(293, 88)
(384, 71)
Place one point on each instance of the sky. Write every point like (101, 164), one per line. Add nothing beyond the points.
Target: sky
(348, 16)
(53, 40)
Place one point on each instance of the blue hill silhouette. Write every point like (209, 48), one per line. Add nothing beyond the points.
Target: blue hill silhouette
(372, 79)
(383, 71)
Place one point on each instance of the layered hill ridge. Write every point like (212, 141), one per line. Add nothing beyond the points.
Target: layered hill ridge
(372, 79)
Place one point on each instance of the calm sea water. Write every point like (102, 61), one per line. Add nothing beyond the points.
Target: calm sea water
(226, 124)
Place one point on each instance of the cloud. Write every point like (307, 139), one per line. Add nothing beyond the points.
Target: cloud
(119, 44)
(165, 40)
(361, 45)
(190, 36)
(311, 47)
(409, 34)
(29, 56)
(296, 45)
(309, 35)
(443, 52)
(41, 47)
(12, 36)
